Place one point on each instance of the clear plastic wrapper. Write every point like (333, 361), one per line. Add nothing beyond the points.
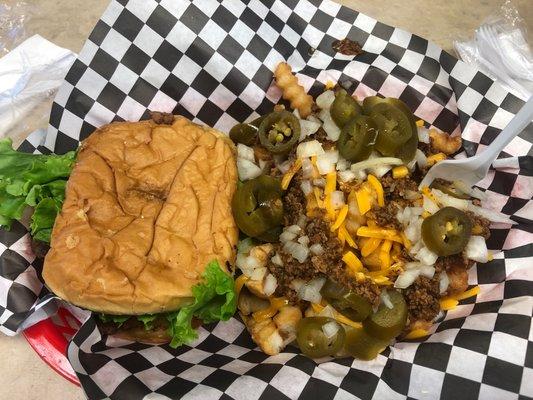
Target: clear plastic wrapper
(500, 49)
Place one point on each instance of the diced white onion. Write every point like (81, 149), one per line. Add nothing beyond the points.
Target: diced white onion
(303, 240)
(320, 182)
(493, 216)
(444, 282)
(330, 127)
(284, 166)
(406, 278)
(258, 274)
(360, 174)
(324, 164)
(245, 152)
(307, 168)
(308, 128)
(411, 195)
(311, 290)
(423, 134)
(247, 169)
(270, 284)
(330, 329)
(306, 187)
(277, 260)
(302, 221)
(427, 270)
(297, 113)
(430, 206)
(385, 298)
(411, 164)
(326, 99)
(412, 232)
(426, 256)
(296, 250)
(241, 260)
(317, 249)
(476, 249)
(312, 118)
(296, 284)
(262, 164)
(421, 158)
(327, 311)
(381, 170)
(309, 149)
(342, 164)
(347, 176)
(245, 245)
(287, 236)
(293, 229)
(252, 262)
(337, 199)
(376, 162)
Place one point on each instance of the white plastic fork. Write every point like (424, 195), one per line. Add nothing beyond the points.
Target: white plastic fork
(472, 169)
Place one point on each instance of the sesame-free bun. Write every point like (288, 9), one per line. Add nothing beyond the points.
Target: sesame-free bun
(147, 207)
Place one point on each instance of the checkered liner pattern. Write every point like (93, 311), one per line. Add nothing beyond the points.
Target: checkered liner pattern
(213, 62)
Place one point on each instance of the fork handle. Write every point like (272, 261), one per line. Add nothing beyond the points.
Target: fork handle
(513, 128)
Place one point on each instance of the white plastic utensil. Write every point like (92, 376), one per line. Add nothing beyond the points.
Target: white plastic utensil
(471, 170)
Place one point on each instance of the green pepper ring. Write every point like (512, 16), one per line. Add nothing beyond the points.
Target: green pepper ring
(312, 340)
(442, 241)
(269, 121)
(257, 207)
(356, 140)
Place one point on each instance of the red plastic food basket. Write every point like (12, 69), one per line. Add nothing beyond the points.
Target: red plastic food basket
(49, 339)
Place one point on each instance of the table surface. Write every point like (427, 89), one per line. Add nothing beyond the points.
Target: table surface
(68, 23)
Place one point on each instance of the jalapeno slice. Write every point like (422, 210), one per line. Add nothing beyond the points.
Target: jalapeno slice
(394, 128)
(406, 152)
(344, 108)
(447, 231)
(243, 133)
(387, 323)
(357, 138)
(360, 344)
(312, 340)
(279, 132)
(257, 207)
(348, 303)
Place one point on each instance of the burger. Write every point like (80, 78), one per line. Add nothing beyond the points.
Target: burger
(145, 237)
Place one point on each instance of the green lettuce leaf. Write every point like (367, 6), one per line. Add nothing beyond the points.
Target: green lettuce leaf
(35, 180)
(214, 300)
(117, 319)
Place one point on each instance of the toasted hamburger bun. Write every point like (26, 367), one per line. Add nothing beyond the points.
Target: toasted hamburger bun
(147, 207)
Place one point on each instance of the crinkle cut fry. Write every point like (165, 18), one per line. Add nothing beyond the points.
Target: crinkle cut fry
(293, 91)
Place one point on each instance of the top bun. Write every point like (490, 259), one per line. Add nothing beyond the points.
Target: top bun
(147, 207)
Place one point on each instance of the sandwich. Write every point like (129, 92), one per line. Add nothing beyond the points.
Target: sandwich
(145, 237)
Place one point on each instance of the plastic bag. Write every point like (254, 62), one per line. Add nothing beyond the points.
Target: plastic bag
(13, 18)
(500, 49)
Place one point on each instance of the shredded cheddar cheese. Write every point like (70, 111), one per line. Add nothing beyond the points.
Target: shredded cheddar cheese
(330, 84)
(400, 172)
(447, 303)
(347, 236)
(420, 123)
(317, 308)
(417, 334)
(426, 214)
(286, 180)
(318, 197)
(468, 293)
(364, 199)
(379, 233)
(384, 254)
(376, 185)
(354, 264)
(369, 245)
(340, 218)
(341, 237)
(331, 182)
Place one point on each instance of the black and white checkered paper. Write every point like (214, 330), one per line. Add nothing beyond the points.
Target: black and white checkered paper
(212, 62)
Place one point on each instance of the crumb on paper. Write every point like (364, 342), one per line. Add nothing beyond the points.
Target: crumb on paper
(347, 47)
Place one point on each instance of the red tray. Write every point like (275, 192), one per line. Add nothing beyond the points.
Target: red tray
(49, 339)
